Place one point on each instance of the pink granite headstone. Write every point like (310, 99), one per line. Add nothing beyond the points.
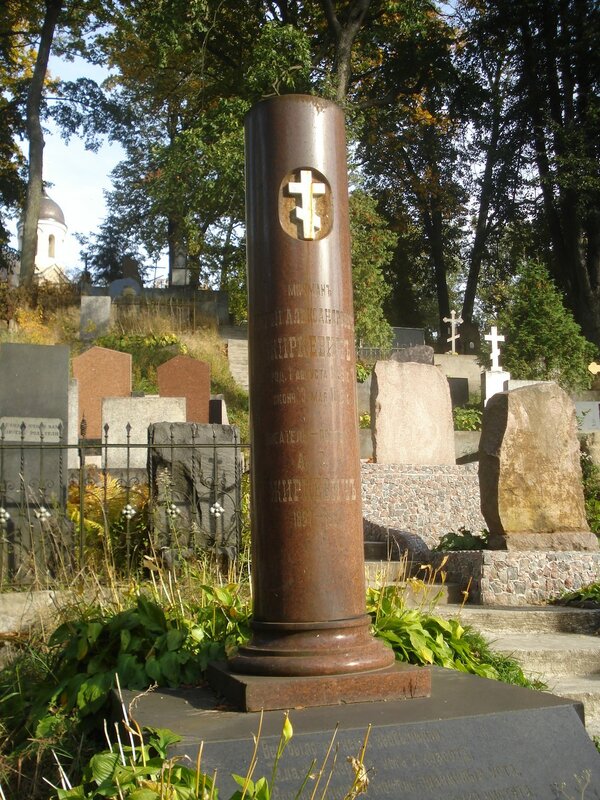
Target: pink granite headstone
(183, 376)
(100, 373)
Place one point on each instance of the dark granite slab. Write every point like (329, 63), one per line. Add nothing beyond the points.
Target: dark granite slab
(473, 739)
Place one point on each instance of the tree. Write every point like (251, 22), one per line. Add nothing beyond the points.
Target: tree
(543, 341)
(36, 141)
(553, 45)
(372, 249)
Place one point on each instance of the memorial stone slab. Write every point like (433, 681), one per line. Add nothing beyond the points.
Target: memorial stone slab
(124, 287)
(588, 416)
(34, 409)
(183, 376)
(217, 411)
(196, 473)
(473, 739)
(530, 474)
(100, 373)
(94, 316)
(138, 413)
(459, 391)
(411, 414)
(421, 354)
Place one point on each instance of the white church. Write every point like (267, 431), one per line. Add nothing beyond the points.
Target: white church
(51, 233)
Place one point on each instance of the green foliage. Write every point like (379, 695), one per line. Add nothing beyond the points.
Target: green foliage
(143, 645)
(372, 247)
(586, 597)
(590, 473)
(364, 420)
(467, 418)
(543, 341)
(463, 540)
(281, 61)
(362, 371)
(148, 351)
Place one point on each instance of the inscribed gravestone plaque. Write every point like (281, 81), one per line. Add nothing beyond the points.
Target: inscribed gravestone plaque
(130, 447)
(34, 386)
(183, 376)
(100, 373)
(411, 414)
(196, 472)
(94, 316)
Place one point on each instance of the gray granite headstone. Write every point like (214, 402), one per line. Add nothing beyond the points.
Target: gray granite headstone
(196, 472)
(94, 319)
(138, 413)
(34, 410)
(124, 287)
(419, 353)
(588, 416)
(459, 391)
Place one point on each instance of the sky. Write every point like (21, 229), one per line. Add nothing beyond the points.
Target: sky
(79, 177)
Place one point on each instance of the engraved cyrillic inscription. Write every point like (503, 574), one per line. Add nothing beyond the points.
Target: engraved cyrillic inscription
(284, 347)
(294, 490)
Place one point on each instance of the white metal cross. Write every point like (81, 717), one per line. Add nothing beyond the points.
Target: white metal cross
(494, 338)
(306, 212)
(454, 323)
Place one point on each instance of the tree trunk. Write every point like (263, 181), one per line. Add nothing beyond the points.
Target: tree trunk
(344, 35)
(36, 144)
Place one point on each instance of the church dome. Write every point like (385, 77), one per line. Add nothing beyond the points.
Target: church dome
(51, 210)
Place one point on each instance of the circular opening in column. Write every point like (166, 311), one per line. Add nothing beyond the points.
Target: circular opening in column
(305, 204)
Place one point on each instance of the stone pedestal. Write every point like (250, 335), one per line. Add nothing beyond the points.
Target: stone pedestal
(492, 382)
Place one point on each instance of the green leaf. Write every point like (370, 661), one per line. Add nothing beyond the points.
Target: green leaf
(125, 639)
(175, 638)
(151, 615)
(143, 794)
(169, 666)
(153, 670)
(102, 766)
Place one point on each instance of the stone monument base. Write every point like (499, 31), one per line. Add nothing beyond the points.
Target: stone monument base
(517, 577)
(559, 540)
(472, 739)
(256, 692)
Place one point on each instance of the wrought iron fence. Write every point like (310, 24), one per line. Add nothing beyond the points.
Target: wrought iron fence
(89, 504)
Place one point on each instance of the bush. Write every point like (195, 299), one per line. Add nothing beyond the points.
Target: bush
(543, 341)
(467, 418)
(463, 540)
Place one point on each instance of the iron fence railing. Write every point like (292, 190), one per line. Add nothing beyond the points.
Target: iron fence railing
(66, 506)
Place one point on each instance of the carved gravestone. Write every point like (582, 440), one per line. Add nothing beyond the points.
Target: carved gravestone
(411, 414)
(530, 473)
(100, 373)
(94, 316)
(196, 472)
(34, 411)
(183, 376)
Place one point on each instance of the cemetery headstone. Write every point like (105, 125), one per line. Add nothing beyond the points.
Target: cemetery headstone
(100, 373)
(494, 379)
(411, 415)
(588, 416)
(73, 424)
(454, 322)
(419, 353)
(95, 316)
(124, 287)
(128, 420)
(183, 376)
(217, 410)
(459, 391)
(34, 410)
(530, 473)
(131, 269)
(196, 473)
(309, 617)
(407, 337)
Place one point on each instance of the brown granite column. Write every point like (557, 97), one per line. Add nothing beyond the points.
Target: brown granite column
(311, 643)
(308, 564)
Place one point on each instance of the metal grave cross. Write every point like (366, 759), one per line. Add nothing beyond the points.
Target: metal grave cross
(494, 338)
(454, 323)
(306, 211)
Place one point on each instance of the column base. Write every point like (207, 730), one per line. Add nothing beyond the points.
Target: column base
(268, 693)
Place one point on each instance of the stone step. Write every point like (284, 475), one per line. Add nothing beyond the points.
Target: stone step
(417, 594)
(237, 352)
(586, 689)
(550, 655)
(495, 620)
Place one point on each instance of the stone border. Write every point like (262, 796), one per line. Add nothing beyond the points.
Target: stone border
(502, 578)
